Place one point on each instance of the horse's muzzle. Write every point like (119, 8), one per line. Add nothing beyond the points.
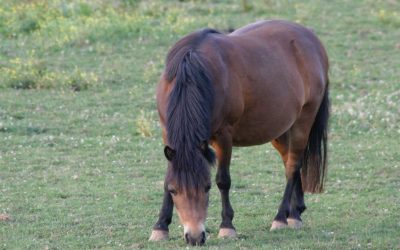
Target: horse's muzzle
(196, 241)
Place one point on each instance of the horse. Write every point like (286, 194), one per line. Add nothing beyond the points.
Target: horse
(264, 82)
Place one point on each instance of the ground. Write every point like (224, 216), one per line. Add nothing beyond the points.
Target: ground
(81, 155)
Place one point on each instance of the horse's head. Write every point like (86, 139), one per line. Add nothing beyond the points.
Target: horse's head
(189, 187)
(191, 207)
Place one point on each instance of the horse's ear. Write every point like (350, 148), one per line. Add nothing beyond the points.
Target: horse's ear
(207, 152)
(169, 153)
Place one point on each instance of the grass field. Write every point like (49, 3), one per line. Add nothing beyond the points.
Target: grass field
(81, 162)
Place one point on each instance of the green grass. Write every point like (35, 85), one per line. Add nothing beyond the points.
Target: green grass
(81, 162)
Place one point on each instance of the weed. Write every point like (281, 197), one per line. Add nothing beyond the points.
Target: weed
(143, 124)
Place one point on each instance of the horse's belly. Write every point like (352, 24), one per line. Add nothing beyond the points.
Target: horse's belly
(262, 127)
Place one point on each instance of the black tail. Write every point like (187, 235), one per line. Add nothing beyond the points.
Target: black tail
(314, 163)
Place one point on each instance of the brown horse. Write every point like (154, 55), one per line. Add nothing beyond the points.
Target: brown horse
(265, 82)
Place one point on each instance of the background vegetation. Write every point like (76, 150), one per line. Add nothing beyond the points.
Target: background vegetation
(81, 163)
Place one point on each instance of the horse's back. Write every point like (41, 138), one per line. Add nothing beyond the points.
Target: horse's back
(285, 34)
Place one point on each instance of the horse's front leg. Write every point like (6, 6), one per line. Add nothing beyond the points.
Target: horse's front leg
(160, 229)
(222, 143)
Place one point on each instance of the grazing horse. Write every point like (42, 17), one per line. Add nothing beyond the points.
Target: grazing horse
(265, 82)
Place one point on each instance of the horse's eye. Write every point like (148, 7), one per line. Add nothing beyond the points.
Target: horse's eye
(208, 188)
(172, 191)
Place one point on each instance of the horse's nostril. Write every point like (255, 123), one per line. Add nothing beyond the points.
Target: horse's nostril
(186, 238)
(195, 241)
(203, 238)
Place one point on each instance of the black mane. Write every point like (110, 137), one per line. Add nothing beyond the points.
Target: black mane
(186, 45)
(189, 111)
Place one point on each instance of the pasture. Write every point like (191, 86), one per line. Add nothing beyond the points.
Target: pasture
(81, 155)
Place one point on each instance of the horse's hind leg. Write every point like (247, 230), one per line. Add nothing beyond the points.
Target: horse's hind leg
(291, 146)
(222, 144)
(297, 205)
(282, 145)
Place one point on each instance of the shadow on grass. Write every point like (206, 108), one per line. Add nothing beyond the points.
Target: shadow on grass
(24, 130)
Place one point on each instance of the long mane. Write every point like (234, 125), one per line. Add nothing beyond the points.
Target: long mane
(189, 111)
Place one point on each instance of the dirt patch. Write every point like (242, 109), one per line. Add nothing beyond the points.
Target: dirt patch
(5, 217)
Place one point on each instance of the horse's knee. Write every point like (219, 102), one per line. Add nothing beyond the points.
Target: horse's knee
(223, 181)
(292, 167)
(290, 172)
(224, 184)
